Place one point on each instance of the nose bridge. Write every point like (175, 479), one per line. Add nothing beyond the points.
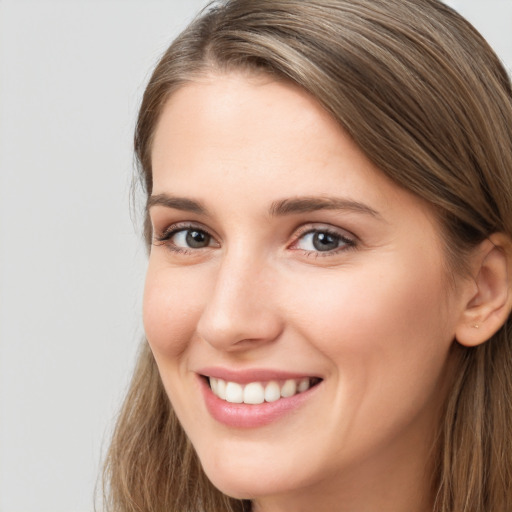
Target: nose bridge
(240, 304)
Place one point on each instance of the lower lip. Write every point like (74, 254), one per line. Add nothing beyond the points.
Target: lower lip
(251, 416)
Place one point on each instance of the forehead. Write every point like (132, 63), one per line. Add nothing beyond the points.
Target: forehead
(263, 140)
(231, 109)
(230, 124)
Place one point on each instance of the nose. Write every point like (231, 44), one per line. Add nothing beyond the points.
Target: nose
(240, 311)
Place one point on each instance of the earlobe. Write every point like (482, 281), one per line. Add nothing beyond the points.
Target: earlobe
(491, 301)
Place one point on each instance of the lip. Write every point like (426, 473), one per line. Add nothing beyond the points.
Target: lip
(250, 375)
(247, 415)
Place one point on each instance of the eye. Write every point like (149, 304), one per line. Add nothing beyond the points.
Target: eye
(191, 238)
(323, 241)
(180, 238)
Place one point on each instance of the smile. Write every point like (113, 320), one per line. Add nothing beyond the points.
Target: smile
(255, 393)
(255, 397)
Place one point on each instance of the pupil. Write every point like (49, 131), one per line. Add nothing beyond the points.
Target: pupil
(325, 242)
(197, 239)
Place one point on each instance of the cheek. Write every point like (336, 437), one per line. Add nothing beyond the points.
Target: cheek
(387, 344)
(171, 308)
(365, 309)
(382, 331)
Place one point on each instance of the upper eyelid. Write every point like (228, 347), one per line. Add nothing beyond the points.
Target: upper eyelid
(164, 238)
(319, 226)
(297, 232)
(182, 226)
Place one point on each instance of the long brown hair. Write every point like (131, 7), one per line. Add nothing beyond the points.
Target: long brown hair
(427, 100)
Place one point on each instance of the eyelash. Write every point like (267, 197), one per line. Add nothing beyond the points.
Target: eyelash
(347, 242)
(167, 235)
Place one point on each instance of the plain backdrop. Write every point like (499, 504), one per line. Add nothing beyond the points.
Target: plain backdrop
(71, 262)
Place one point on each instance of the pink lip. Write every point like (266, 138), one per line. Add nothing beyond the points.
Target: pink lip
(250, 375)
(252, 416)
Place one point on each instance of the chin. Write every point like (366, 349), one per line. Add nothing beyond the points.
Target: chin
(247, 486)
(243, 478)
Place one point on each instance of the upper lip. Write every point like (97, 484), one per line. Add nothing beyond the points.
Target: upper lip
(251, 374)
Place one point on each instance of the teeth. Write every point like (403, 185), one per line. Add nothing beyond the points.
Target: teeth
(254, 393)
(303, 385)
(234, 393)
(257, 392)
(221, 389)
(272, 392)
(289, 388)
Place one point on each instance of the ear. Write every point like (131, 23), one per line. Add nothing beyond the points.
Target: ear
(490, 300)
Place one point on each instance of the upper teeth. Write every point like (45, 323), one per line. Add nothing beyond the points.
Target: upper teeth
(257, 392)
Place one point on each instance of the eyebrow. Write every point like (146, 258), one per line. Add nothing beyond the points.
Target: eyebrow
(311, 204)
(177, 203)
(278, 208)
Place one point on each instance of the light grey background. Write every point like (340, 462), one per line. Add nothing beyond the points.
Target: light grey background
(71, 264)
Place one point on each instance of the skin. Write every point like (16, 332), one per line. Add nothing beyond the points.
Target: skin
(375, 318)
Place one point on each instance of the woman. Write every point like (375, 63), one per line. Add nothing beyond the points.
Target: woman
(327, 304)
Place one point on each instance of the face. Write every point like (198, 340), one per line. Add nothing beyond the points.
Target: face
(292, 277)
